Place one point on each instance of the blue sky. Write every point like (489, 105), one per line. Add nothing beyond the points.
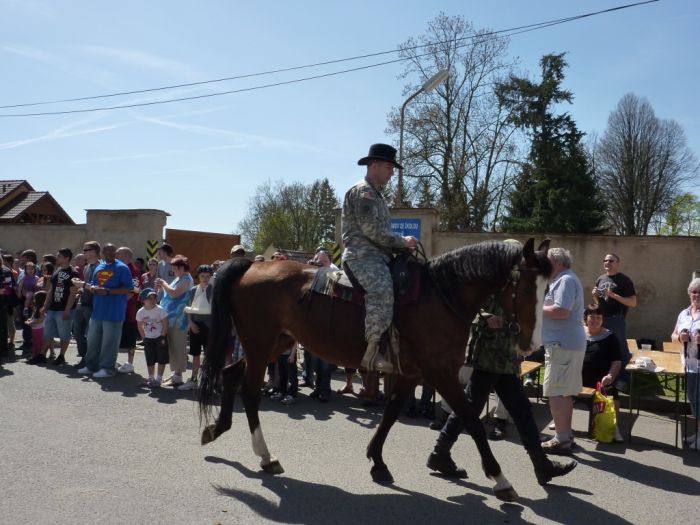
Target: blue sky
(202, 160)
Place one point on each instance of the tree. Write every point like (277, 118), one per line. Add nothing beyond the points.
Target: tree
(296, 216)
(457, 139)
(554, 190)
(682, 218)
(642, 164)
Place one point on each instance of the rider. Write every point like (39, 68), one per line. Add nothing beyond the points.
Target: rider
(369, 241)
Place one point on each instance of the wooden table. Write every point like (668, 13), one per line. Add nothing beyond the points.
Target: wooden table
(671, 364)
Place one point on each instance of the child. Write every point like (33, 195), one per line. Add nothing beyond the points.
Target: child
(27, 287)
(153, 326)
(36, 321)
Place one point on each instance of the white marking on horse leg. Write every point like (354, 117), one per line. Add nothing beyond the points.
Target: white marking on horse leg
(501, 483)
(537, 332)
(260, 447)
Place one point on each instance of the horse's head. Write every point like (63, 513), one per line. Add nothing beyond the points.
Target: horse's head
(523, 295)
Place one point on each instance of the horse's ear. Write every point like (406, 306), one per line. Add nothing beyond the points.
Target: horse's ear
(544, 246)
(528, 251)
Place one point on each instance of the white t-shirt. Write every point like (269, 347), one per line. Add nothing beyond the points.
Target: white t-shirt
(152, 326)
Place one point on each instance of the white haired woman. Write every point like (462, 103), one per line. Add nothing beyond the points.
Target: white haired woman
(687, 331)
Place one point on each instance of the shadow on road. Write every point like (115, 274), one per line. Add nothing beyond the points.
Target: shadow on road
(314, 503)
(652, 476)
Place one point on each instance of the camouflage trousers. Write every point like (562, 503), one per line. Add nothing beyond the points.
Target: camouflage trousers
(373, 275)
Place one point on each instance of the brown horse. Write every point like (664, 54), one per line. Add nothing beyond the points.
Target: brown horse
(264, 300)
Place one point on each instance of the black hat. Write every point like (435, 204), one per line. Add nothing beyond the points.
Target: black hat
(380, 152)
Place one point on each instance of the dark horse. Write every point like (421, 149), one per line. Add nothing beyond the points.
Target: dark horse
(266, 303)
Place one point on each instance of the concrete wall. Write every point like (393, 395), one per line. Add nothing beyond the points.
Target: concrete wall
(130, 228)
(660, 267)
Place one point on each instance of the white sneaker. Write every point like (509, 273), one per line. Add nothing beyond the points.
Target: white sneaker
(692, 438)
(102, 373)
(695, 445)
(618, 437)
(126, 368)
(188, 385)
(529, 381)
(85, 371)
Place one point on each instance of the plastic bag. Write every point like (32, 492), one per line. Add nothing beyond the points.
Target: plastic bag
(604, 416)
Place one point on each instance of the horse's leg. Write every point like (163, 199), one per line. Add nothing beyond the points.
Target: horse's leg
(451, 391)
(250, 393)
(230, 379)
(380, 472)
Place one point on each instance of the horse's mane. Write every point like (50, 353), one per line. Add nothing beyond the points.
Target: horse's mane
(489, 262)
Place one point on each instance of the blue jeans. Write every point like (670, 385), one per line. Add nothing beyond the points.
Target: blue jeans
(324, 370)
(103, 344)
(81, 321)
(56, 326)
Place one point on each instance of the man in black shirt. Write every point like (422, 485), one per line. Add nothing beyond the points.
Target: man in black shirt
(60, 307)
(615, 293)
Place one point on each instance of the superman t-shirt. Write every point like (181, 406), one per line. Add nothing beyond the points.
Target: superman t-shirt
(110, 275)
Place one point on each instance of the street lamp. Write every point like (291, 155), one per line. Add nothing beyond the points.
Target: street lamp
(427, 87)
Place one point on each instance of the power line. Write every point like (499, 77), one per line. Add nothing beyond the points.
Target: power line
(491, 35)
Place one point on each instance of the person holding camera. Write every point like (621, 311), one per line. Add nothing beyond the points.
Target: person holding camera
(615, 293)
(687, 331)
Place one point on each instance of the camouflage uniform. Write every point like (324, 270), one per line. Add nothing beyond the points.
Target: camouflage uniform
(492, 349)
(368, 240)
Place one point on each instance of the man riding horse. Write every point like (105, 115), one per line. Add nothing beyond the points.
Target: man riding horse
(369, 241)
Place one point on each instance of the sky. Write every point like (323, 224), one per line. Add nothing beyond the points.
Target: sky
(202, 160)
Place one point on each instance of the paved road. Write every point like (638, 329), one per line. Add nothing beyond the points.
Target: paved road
(77, 450)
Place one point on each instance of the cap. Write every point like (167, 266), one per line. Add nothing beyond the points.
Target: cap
(237, 248)
(146, 292)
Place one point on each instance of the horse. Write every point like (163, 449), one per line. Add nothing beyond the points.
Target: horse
(267, 303)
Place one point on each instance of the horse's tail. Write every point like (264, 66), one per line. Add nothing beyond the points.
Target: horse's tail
(219, 334)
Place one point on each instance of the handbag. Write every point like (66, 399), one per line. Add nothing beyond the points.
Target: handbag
(604, 416)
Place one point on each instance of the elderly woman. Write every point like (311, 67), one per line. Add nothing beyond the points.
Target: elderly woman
(687, 331)
(602, 361)
(174, 302)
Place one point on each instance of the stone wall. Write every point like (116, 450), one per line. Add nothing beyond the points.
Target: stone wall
(130, 228)
(660, 267)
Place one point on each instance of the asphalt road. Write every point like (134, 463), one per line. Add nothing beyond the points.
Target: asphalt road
(77, 450)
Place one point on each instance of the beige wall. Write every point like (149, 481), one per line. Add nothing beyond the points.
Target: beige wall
(130, 228)
(660, 267)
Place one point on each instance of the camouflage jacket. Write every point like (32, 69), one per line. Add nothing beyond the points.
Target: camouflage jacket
(366, 224)
(492, 350)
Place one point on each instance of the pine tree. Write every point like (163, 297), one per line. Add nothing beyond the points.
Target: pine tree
(554, 191)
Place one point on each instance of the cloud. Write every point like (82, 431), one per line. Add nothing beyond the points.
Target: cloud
(69, 130)
(155, 154)
(139, 59)
(29, 52)
(242, 139)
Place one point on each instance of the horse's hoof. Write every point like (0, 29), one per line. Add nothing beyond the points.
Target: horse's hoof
(209, 434)
(381, 475)
(273, 467)
(508, 494)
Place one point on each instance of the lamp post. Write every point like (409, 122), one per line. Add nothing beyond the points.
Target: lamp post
(427, 87)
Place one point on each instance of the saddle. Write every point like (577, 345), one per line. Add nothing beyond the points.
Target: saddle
(406, 273)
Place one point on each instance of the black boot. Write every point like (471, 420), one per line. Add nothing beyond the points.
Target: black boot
(546, 468)
(441, 460)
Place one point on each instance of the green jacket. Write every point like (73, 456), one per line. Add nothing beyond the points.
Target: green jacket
(492, 350)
